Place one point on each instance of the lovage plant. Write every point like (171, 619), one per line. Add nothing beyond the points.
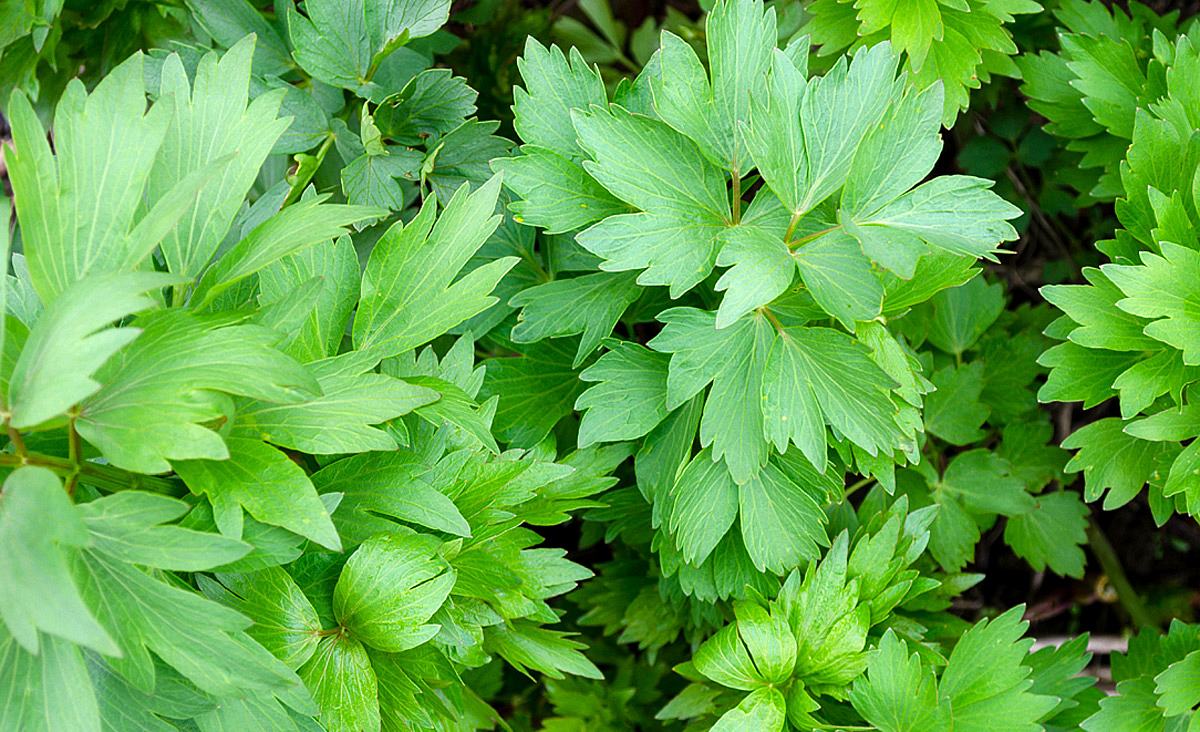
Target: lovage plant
(225, 502)
(715, 401)
(769, 227)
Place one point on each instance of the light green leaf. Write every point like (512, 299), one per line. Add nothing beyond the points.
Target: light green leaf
(161, 389)
(77, 205)
(1163, 289)
(409, 292)
(320, 335)
(589, 305)
(629, 398)
(554, 86)
(72, 340)
(267, 484)
(352, 400)
(285, 622)
(764, 709)
(725, 659)
(840, 278)
(985, 682)
(898, 694)
(809, 368)
(760, 269)
(131, 526)
(211, 119)
(39, 533)
(391, 586)
(555, 192)
(704, 504)
(294, 229)
(46, 692)
(782, 520)
(343, 684)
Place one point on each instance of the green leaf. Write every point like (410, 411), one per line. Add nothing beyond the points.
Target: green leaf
(379, 489)
(343, 684)
(673, 249)
(373, 180)
(1111, 460)
(352, 400)
(589, 305)
(763, 709)
(320, 334)
(211, 119)
(40, 531)
(390, 587)
(897, 694)
(985, 682)
(782, 521)
(1163, 290)
(659, 171)
(48, 691)
(725, 659)
(760, 269)
(77, 205)
(732, 359)
(455, 407)
(267, 484)
(955, 213)
(1102, 324)
(1176, 686)
(536, 390)
(130, 526)
(555, 84)
(983, 482)
(294, 229)
(629, 398)
(769, 639)
(840, 278)
(201, 639)
(409, 292)
(1051, 534)
(525, 645)
(161, 389)
(962, 314)
(815, 376)
(954, 412)
(704, 504)
(829, 623)
(555, 192)
(433, 103)
(285, 622)
(230, 21)
(71, 341)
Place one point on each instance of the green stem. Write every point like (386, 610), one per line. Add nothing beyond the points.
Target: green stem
(306, 168)
(17, 442)
(806, 239)
(773, 320)
(74, 455)
(104, 477)
(791, 229)
(856, 486)
(737, 196)
(1128, 597)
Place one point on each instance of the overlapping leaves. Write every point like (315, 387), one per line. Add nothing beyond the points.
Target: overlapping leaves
(790, 363)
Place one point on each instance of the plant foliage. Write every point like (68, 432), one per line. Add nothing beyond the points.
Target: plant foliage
(710, 386)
